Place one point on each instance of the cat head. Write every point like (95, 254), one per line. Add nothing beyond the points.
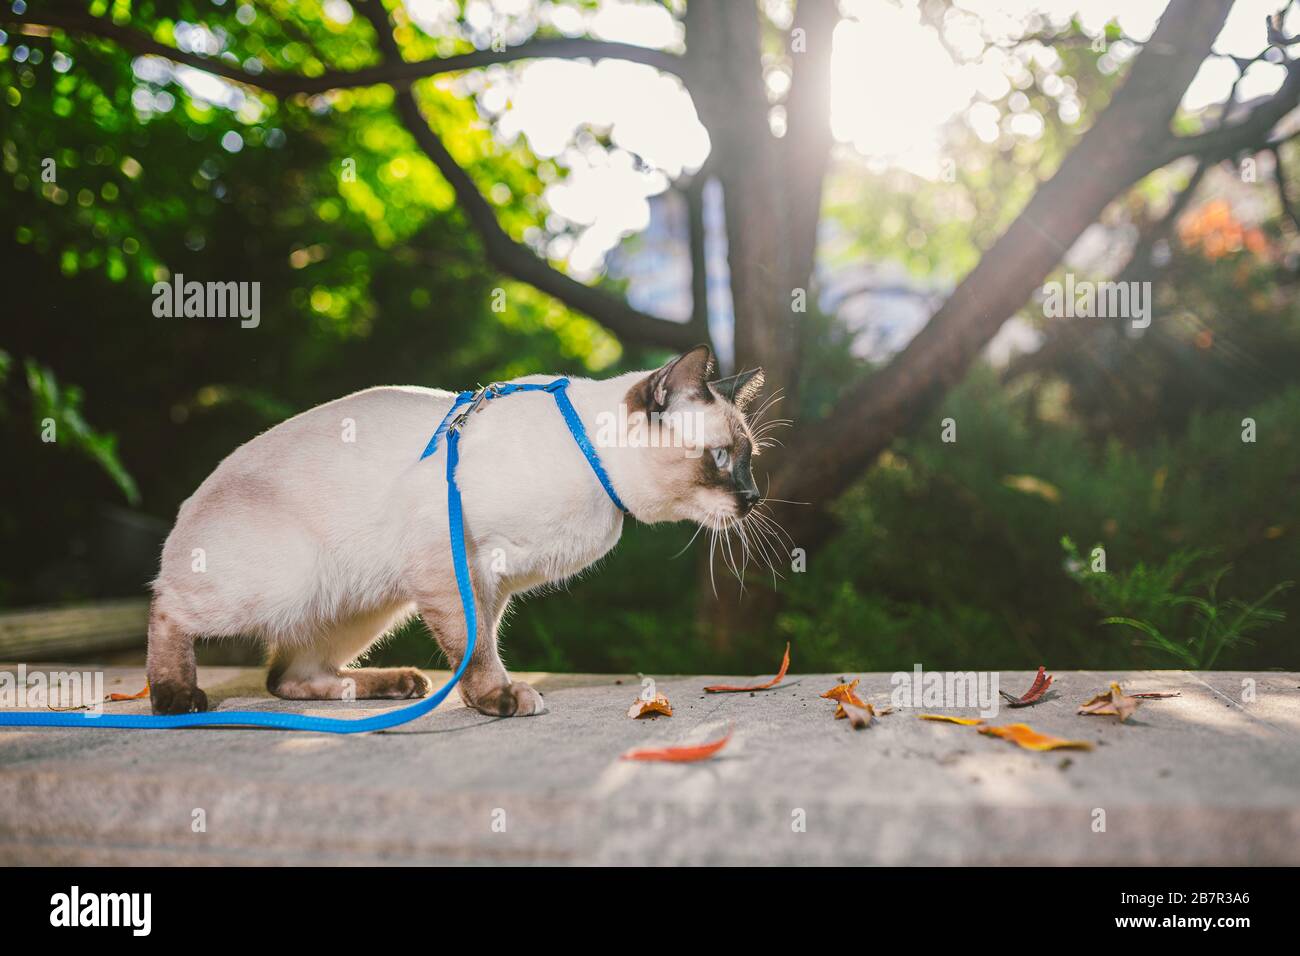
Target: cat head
(693, 443)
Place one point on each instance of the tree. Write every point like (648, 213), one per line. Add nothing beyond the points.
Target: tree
(772, 190)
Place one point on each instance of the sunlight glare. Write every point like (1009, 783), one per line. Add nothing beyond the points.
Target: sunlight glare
(892, 86)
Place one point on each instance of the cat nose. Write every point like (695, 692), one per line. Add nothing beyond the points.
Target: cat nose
(748, 498)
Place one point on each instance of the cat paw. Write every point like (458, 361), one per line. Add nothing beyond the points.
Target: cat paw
(171, 698)
(513, 700)
(385, 683)
(528, 702)
(411, 682)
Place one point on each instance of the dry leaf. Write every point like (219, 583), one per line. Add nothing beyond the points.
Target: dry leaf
(1037, 689)
(656, 705)
(964, 721)
(1113, 703)
(734, 689)
(136, 696)
(859, 713)
(1025, 736)
(858, 718)
(843, 692)
(1152, 695)
(678, 754)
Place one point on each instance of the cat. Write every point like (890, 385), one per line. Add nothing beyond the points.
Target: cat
(323, 533)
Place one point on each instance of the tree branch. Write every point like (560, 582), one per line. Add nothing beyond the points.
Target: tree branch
(1130, 139)
(1226, 140)
(1279, 179)
(398, 72)
(1064, 338)
(511, 257)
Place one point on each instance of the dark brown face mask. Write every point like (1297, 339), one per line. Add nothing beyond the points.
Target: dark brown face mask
(742, 480)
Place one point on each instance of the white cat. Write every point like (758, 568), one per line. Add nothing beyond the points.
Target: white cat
(321, 534)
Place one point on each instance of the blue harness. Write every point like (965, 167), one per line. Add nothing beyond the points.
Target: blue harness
(450, 427)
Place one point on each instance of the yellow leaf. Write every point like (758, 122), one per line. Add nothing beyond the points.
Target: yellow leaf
(964, 721)
(1025, 736)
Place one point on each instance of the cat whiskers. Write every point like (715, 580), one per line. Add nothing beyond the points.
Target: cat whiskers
(760, 427)
(759, 537)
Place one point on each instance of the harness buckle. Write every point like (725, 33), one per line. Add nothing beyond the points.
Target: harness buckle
(483, 394)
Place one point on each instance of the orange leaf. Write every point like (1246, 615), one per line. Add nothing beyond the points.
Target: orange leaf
(843, 692)
(1113, 703)
(1037, 689)
(678, 754)
(656, 705)
(1152, 695)
(734, 689)
(136, 696)
(964, 721)
(1025, 736)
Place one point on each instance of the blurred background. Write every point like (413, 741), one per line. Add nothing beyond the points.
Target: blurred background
(866, 197)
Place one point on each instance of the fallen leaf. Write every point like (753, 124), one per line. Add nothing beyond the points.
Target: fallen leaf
(859, 719)
(964, 721)
(843, 692)
(859, 713)
(136, 696)
(656, 705)
(1151, 695)
(863, 713)
(678, 754)
(1113, 703)
(1025, 736)
(734, 689)
(1037, 689)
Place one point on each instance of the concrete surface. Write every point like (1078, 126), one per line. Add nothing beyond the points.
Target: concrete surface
(1199, 779)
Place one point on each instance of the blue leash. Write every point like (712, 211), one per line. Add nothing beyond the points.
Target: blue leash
(450, 427)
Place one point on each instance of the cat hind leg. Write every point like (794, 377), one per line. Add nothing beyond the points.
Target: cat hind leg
(320, 670)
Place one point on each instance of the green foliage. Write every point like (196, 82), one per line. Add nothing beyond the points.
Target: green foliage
(944, 560)
(365, 280)
(60, 410)
(1161, 602)
(949, 553)
(1142, 591)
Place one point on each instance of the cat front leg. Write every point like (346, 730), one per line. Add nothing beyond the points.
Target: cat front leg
(485, 686)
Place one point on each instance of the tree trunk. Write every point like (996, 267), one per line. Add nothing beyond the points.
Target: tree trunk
(724, 68)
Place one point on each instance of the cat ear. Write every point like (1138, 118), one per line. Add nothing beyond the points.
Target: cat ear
(686, 376)
(740, 388)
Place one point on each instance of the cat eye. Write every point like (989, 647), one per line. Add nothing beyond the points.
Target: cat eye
(721, 457)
